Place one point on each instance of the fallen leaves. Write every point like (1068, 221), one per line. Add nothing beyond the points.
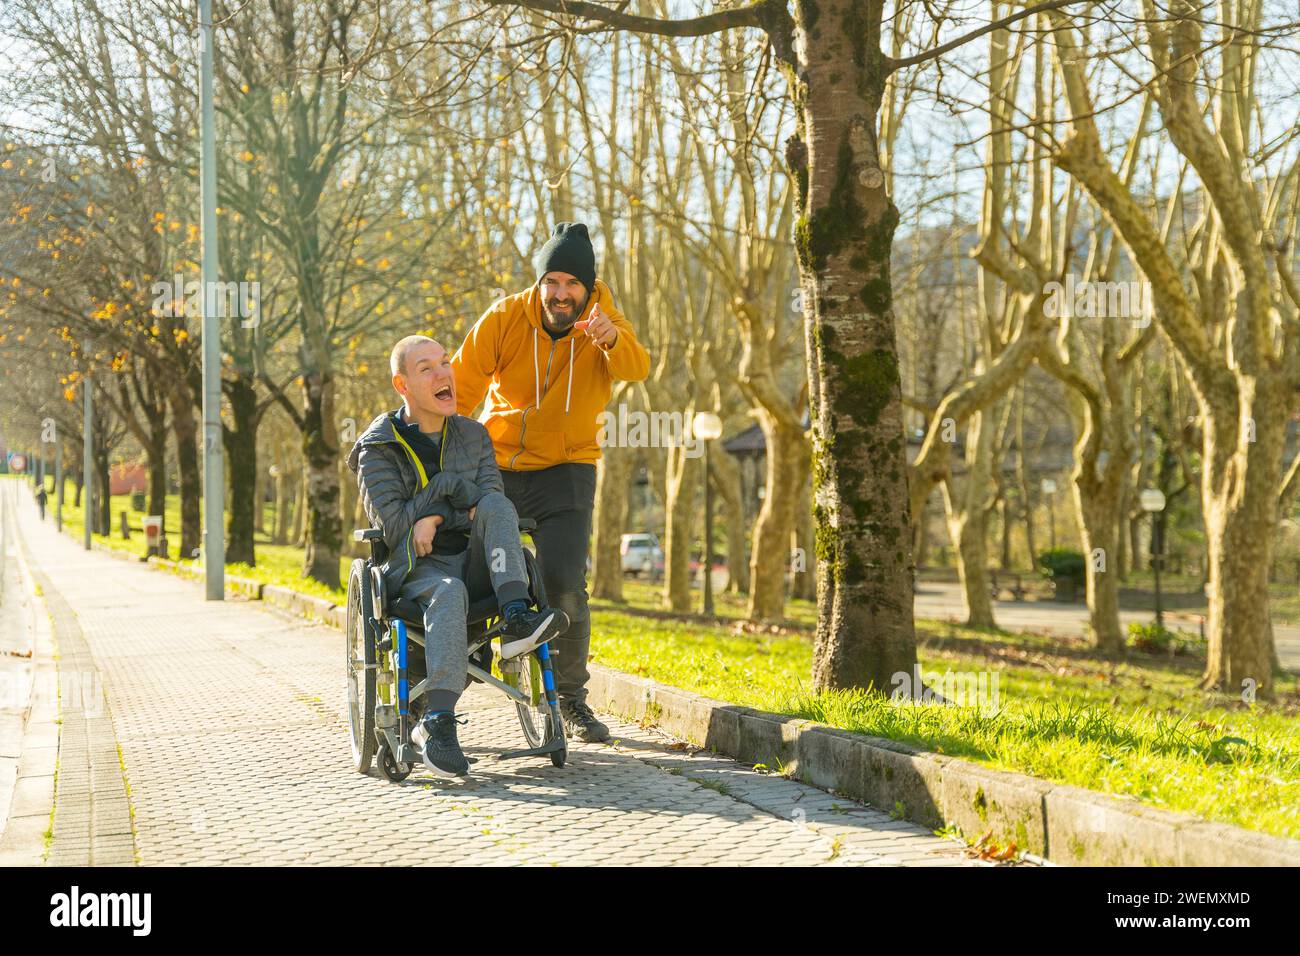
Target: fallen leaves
(986, 849)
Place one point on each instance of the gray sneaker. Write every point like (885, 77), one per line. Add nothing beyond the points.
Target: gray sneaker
(526, 629)
(581, 723)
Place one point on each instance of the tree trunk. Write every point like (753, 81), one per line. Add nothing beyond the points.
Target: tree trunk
(1122, 556)
(770, 558)
(968, 520)
(324, 543)
(185, 431)
(298, 508)
(843, 236)
(156, 452)
(729, 488)
(805, 581)
(281, 532)
(1022, 480)
(679, 513)
(1239, 498)
(1099, 532)
(612, 479)
(103, 502)
(241, 456)
(259, 497)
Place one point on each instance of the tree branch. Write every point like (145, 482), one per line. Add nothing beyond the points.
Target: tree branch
(749, 16)
(975, 34)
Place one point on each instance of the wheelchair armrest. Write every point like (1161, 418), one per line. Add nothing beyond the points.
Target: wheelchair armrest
(367, 534)
(527, 525)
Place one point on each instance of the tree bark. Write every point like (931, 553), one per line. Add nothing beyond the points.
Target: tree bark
(728, 486)
(679, 512)
(770, 558)
(241, 454)
(1239, 501)
(185, 431)
(805, 536)
(844, 235)
(281, 531)
(324, 544)
(968, 519)
(613, 476)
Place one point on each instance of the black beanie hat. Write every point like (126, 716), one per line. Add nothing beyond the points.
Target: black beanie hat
(568, 250)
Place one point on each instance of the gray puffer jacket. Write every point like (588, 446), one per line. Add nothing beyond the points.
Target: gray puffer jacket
(391, 492)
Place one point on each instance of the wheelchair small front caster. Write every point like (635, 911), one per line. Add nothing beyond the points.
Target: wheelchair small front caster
(393, 771)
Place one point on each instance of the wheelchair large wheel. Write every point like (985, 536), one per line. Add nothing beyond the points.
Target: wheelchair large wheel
(539, 721)
(525, 673)
(361, 661)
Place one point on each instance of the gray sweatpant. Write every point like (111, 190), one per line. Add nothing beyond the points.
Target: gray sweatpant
(446, 584)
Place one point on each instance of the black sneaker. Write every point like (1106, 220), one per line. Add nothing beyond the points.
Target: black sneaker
(525, 630)
(580, 722)
(435, 735)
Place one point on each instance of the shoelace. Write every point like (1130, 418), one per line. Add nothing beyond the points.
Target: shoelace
(443, 732)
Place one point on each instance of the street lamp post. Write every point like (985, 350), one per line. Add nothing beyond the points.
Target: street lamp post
(1153, 503)
(87, 460)
(707, 427)
(214, 496)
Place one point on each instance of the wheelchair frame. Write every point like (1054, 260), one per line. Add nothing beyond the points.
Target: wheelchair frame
(377, 654)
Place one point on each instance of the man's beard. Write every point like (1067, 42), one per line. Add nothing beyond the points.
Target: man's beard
(558, 324)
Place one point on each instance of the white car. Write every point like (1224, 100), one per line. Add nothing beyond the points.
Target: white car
(641, 555)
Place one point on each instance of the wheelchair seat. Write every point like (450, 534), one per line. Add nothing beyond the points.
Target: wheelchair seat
(408, 611)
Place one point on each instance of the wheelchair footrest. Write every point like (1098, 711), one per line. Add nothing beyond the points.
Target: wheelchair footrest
(554, 746)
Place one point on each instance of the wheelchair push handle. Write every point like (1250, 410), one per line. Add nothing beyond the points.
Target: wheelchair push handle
(526, 526)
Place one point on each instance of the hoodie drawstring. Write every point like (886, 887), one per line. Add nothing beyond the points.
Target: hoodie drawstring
(568, 391)
(537, 376)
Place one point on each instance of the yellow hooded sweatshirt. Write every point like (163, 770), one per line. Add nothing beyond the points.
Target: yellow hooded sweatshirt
(543, 394)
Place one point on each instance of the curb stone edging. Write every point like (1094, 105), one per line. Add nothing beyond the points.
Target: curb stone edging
(304, 605)
(1057, 822)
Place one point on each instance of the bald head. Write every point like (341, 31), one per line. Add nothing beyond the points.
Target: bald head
(403, 349)
(423, 376)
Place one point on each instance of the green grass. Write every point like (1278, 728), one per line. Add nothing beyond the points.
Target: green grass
(279, 564)
(1140, 728)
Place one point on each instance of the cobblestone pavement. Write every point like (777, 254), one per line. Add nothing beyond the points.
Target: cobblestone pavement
(230, 722)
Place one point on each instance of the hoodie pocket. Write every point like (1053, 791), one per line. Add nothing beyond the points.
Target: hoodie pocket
(504, 430)
(547, 446)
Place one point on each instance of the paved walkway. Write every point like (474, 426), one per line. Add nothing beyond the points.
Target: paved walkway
(230, 724)
(945, 601)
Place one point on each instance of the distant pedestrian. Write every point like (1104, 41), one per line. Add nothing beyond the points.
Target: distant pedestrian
(41, 498)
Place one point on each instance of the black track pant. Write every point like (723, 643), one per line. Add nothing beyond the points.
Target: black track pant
(561, 499)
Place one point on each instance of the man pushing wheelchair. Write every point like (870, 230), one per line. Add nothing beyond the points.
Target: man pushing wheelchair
(429, 481)
(543, 362)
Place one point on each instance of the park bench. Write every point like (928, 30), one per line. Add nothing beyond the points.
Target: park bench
(1016, 586)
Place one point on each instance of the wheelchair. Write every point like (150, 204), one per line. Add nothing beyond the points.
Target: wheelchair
(385, 653)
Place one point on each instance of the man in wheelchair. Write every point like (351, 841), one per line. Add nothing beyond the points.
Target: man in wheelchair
(429, 481)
